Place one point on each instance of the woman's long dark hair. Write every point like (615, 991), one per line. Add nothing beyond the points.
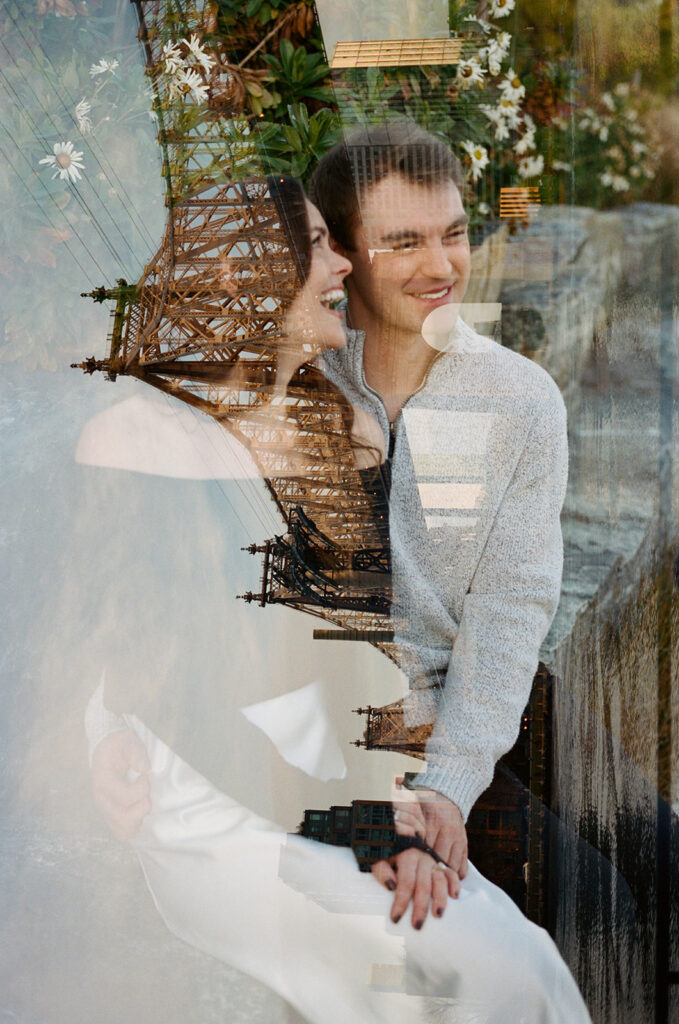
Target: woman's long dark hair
(290, 199)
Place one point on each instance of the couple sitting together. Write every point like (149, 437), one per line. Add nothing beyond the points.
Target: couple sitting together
(474, 436)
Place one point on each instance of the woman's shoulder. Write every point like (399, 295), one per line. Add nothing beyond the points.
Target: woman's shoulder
(145, 434)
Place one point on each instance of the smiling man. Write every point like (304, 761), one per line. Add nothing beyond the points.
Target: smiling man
(476, 442)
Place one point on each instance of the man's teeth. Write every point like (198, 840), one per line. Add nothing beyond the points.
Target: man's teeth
(433, 295)
(332, 296)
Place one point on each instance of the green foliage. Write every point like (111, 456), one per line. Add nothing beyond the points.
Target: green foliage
(596, 150)
(296, 146)
(264, 10)
(297, 75)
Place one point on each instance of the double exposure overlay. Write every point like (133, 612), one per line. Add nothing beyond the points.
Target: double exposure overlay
(341, 541)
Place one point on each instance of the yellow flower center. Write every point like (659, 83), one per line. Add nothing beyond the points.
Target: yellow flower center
(63, 160)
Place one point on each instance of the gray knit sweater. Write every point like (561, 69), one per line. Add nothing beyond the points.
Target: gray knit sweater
(479, 472)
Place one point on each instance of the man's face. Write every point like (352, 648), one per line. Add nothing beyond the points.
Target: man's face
(411, 254)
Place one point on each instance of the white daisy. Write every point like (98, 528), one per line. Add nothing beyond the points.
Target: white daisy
(603, 132)
(469, 72)
(531, 166)
(619, 184)
(483, 209)
(492, 57)
(501, 131)
(608, 102)
(494, 114)
(503, 41)
(175, 88)
(501, 8)
(509, 109)
(193, 82)
(526, 142)
(497, 50)
(635, 172)
(621, 89)
(478, 155)
(201, 55)
(66, 161)
(511, 87)
(82, 119)
(103, 66)
(638, 148)
(173, 59)
(561, 165)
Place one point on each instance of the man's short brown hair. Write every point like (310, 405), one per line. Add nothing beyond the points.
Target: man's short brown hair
(367, 155)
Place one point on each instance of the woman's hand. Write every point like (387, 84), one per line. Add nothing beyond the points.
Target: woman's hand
(436, 820)
(120, 784)
(415, 875)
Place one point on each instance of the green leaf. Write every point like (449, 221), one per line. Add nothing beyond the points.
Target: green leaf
(287, 51)
(299, 164)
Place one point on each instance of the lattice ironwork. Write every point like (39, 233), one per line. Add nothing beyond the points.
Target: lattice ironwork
(206, 324)
(386, 730)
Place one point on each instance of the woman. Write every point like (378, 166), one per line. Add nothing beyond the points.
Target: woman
(296, 914)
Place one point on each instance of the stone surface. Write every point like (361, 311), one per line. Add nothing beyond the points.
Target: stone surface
(603, 646)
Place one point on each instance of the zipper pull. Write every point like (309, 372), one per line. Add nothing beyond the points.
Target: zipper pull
(392, 439)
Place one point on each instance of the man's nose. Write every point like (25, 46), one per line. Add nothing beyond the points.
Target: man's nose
(436, 261)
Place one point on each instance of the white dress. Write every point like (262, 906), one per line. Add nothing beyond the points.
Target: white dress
(293, 913)
(300, 917)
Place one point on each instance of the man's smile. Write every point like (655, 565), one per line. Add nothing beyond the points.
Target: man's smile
(437, 295)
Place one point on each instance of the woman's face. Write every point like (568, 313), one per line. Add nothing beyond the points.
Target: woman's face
(312, 319)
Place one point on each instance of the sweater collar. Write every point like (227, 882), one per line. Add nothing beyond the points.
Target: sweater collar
(461, 340)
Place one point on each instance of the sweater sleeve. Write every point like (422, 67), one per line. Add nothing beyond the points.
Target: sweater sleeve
(505, 617)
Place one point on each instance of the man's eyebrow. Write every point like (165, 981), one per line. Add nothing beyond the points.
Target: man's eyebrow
(409, 235)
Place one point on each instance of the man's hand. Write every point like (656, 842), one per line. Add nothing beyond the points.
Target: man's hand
(122, 800)
(437, 820)
(415, 875)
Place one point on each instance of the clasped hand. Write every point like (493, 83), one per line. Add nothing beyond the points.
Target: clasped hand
(414, 874)
(120, 784)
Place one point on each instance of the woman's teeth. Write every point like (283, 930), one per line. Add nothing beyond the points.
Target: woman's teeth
(433, 295)
(332, 297)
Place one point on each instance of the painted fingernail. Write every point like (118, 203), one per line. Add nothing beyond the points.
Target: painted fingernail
(439, 912)
(397, 918)
(417, 925)
(390, 884)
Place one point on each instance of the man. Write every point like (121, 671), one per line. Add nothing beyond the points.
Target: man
(476, 439)
(477, 442)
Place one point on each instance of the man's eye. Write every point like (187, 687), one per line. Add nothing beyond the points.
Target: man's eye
(455, 236)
